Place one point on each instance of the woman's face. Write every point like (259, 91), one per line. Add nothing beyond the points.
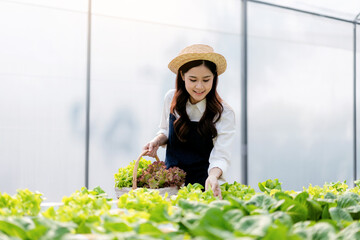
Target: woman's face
(198, 82)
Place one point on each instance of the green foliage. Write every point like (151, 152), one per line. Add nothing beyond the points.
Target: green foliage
(142, 199)
(124, 176)
(236, 190)
(193, 192)
(23, 203)
(350, 232)
(33, 228)
(211, 224)
(335, 188)
(83, 208)
(269, 185)
(328, 212)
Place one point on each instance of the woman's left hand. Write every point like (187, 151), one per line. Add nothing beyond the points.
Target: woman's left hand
(213, 183)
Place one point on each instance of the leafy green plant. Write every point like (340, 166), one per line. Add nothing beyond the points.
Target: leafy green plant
(23, 203)
(124, 176)
(269, 185)
(148, 200)
(335, 188)
(193, 192)
(83, 208)
(237, 190)
(33, 228)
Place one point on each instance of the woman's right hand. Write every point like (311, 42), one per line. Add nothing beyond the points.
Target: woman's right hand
(151, 148)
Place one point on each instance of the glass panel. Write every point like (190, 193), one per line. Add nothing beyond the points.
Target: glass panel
(222, 16)
(346, 10)
(78, 5)
(130, 76)
(42, 99)
(300, 98)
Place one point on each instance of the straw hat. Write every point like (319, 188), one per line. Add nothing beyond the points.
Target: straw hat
(198, 52)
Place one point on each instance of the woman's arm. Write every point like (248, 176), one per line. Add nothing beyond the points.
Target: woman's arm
(223, 144)
(220, 155)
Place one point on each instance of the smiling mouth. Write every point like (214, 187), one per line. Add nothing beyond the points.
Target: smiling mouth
(199, 93)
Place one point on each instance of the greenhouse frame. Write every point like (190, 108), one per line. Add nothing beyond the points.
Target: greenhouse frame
(82, 86)
(55, 123)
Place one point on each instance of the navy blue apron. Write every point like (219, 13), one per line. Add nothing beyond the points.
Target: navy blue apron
(192, 156)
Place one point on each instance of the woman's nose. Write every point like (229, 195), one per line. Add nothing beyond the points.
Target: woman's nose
(199, 85)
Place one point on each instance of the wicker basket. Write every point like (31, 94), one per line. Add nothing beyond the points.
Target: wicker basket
(162, 191)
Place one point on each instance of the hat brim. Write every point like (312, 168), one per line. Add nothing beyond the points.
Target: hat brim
(216, 58)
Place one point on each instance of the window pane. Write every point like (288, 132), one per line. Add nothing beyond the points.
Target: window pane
(42, 99)
(300, 98)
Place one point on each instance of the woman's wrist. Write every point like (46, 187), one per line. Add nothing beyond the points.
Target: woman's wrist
(156, 141)
(215, 172)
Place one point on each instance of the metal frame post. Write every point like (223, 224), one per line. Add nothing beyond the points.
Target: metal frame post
(354, 109)
(87, 118)
(244, 135)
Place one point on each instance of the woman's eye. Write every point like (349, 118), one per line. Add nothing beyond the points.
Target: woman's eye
(206, 80)
(192, 80)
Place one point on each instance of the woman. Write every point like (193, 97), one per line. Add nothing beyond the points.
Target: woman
(197, 126)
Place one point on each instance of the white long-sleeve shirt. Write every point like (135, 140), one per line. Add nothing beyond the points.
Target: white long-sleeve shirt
(221, 153)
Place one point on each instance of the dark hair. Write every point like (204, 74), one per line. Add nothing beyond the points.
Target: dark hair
(213, 109)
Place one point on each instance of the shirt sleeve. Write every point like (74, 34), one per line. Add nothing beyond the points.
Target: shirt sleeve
(164, 120)
(221, 153)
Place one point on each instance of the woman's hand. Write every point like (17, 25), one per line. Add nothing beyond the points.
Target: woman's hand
(213, 183)
(152, 146)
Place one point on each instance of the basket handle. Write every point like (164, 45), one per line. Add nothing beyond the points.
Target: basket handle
(134, 181)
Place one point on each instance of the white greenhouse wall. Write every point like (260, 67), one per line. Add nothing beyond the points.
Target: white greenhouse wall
(42, 85)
